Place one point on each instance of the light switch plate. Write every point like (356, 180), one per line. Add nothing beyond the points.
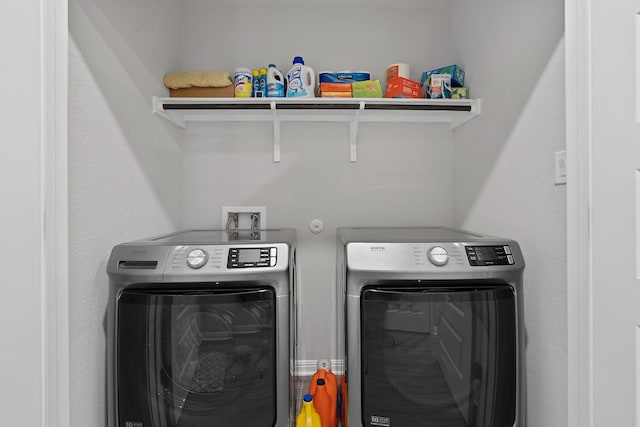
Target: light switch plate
(561, 167)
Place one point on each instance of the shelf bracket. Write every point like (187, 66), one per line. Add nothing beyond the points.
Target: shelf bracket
(353, 137)
(157, 108)
(276, 133)
(475, 110)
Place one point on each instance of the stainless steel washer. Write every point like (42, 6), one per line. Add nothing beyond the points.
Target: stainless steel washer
(201, 330)
(431, 328)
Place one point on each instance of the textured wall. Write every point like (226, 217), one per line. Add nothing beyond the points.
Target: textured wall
(404, 171)
(504, 167)
(403, 177)
(124, 180)
(348, 36)
(133, 174)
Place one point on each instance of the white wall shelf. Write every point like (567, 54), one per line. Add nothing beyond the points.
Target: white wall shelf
(181, 111)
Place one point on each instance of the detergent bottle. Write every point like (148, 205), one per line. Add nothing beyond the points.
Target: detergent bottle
(255, 79)
(325, 402)
(308, 416)
(275, 82)
(263, 82)
(344, 401)
(324, 372)
(242, 82)
(301, 80)
(324, 389)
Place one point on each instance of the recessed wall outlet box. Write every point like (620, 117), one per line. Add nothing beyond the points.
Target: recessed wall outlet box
(244, 217)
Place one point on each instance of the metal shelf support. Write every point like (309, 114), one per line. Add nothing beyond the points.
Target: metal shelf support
(276, 133)
(181, 111)
(353, 136)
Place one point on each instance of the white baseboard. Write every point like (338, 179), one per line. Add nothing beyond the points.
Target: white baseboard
(305, 368)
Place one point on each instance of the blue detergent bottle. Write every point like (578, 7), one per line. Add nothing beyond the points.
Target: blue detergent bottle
(301, 80)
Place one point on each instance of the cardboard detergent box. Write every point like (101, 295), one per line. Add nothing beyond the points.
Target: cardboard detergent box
(399, 87)
(437, 86)
(459, 93)
(326, 94)
(203, 92)
(332, 90)
(456, 73)
(343, 76)
(367, 89)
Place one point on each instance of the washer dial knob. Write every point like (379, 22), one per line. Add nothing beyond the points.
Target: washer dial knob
(197, 258)
(438, 255)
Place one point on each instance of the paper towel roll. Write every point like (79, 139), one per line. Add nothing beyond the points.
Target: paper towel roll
(398, 70)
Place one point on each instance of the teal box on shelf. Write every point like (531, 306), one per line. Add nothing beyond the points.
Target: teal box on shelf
(457, 75)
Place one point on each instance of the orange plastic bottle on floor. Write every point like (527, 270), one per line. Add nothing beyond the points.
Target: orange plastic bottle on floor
(324, 372)
(308, 417)
(344, 401)
(325, 395)
(325, 403)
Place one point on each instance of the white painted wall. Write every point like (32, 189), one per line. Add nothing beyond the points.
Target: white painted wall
(125, 172)
(133, 175)
(330, 36)
(513, 53)
(21, 215)
(391, 184)
(403, 177)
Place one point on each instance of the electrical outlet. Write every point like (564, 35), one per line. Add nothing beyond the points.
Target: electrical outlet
(240, 217)
(561, 167)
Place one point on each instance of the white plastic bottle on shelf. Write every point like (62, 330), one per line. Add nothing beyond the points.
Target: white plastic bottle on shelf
(301, 80)
(275, 82)
(242, 80)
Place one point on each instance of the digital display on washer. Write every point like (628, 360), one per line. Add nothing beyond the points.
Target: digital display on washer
(489, 255)
(251, 257)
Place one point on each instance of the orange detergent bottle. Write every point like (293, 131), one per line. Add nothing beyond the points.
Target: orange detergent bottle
(308, 417)
(344, 401)
(325, 404)
(327, 400)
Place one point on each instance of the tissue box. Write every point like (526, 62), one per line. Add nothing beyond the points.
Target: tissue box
(459, 93)
(438, 86)
(456, 73)
(367, 89)
(399, 87)
(343, 76)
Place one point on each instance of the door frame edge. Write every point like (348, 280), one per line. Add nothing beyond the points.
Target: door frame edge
(55, 238)
(579, 243)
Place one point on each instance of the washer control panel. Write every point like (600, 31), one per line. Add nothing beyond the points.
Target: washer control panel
(233, 259)
(441, 257)
(489, 255)
(197, 258)
(252, 257)
(438, 255)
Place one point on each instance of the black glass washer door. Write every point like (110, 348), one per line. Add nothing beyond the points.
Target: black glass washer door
(196, 358)
(439, 355)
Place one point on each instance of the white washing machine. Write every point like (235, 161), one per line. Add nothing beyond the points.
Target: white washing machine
(201, 330)
(431, 328)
